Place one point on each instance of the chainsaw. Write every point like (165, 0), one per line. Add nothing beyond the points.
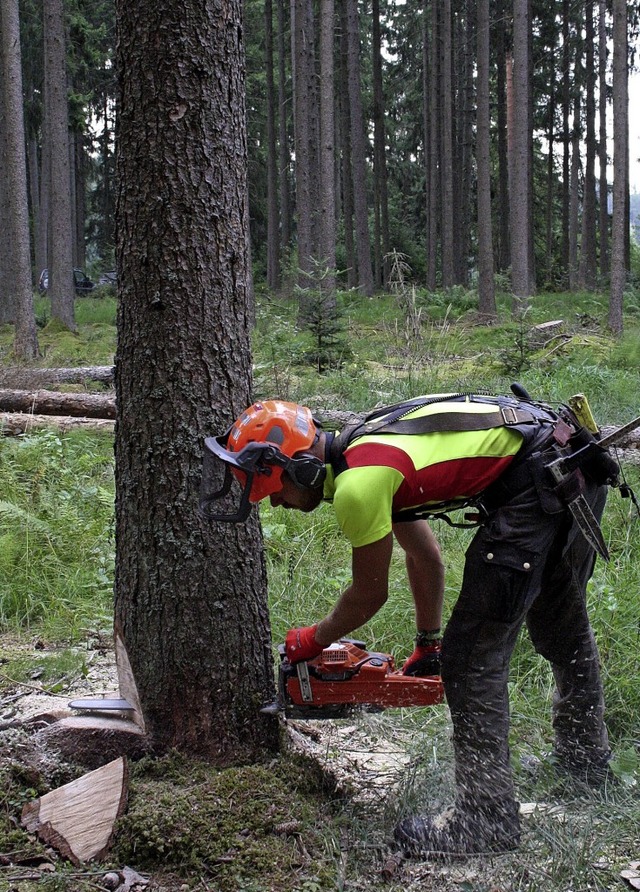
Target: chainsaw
(345, 679)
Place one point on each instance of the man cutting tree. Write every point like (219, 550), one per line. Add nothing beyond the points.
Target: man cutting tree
(536, 481)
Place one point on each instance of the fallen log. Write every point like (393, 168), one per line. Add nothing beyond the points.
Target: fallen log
(25, 379)
(15, 424)
(78, 819)
(50, 402)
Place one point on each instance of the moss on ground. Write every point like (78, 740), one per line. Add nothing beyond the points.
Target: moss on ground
(251, 827)
(259, 828)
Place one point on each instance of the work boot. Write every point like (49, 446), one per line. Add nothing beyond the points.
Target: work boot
(590, 768)
(458, 833)
(594, 771)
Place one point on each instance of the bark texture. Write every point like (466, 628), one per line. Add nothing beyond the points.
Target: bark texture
(190, 596)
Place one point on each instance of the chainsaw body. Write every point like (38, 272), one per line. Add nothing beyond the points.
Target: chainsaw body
(346, 678)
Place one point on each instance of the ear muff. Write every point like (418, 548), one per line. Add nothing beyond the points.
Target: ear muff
(306, 471)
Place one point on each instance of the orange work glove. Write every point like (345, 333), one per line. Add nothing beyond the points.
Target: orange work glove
(301, 644)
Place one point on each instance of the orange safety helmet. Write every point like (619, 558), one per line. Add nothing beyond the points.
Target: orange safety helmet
(288, 426)
(268, 438)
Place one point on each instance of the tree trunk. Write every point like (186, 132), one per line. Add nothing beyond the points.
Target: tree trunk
(302, 40)
(60, 238)
(503, 252)
(345, 139)
(446, 154)
(521, 160)
(190, 595)
(273, 221)
(566, 138)
(603, 188)
(575, 174)
(327, 155)
(382, 242)
(358, 151)
(486, 289)
(620, 165)
(433, 146)
(18, 273)
(588, 259)
(284, 156)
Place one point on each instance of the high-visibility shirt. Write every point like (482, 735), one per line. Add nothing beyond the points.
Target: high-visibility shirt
(390, 473)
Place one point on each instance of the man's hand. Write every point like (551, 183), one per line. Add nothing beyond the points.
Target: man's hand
(301, 644)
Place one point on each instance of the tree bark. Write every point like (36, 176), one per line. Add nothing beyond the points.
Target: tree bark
(60, 240)
(284, 155)
(620, 226)
(504, 251)
(521, 162)
(190, 595)
(273, 216)
(382, 244)
(358, 151)
(18, 272)
(446, 154)
(486, 289)
(327, 155)
(603, 188)
(588, 249)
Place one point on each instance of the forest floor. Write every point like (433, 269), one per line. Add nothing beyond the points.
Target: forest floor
(332, 800)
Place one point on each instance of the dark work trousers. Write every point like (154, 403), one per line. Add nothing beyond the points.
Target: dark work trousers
(523, 565)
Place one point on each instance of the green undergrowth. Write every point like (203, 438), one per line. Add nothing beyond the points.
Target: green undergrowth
(267, 827)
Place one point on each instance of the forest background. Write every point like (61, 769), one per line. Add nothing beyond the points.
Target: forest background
(465, 197)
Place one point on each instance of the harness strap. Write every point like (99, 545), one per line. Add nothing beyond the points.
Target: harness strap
(505, 414)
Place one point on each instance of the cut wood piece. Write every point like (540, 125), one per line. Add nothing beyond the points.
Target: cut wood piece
(52, 402)
(14, 424)
(93, 739)
(78, 819)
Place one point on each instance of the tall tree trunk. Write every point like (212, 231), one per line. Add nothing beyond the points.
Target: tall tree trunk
(345, 135)
(588, 259)
(603, 187)
(382, 244)
(18, 274)
(434, 217)
(574, 203)
(446, 155)
(620, 225)
(190, 595)
(60, 232)
(273, 217)
(302, 40)
(566, 138)
(327, 154)
(504, 252)
(486, 288)
(521, 160)
(284, 155)
(358, 151)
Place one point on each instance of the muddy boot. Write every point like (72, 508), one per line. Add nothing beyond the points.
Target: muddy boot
(458, 832)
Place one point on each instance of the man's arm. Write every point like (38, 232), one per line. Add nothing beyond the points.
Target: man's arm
(364, 597)
(425, 571)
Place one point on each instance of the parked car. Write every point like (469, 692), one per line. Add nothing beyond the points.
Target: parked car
(83, 285)
(108, 278)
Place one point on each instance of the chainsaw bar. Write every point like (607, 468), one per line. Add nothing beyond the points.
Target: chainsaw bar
(100, 703)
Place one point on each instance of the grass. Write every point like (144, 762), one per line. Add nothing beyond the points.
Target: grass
(56, 573)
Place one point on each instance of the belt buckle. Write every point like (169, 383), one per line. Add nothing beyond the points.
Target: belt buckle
(509, 415)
